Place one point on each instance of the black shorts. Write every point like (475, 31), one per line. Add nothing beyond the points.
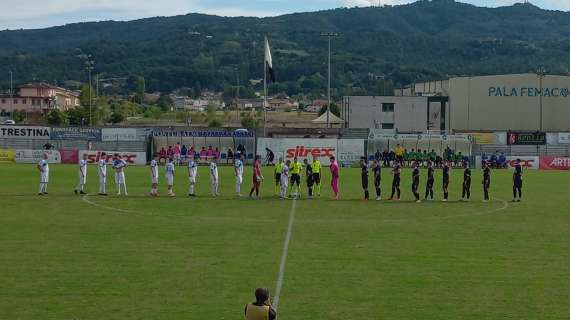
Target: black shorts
(377, 181)
(277, 178)
(467, 183)
(415, 186)
(445, 183)
(317, 178)
(486, 183)
(364, 182)
(396, 182)
(429, 183)
(310, 181)
(518, 183)
(295, 179)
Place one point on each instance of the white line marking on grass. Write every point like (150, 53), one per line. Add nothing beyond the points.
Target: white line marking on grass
(284, 256)
(103, 206)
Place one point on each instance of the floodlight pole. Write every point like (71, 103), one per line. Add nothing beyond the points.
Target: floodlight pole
(329, 35)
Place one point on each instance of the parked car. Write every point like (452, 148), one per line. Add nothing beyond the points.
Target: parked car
(9, 122)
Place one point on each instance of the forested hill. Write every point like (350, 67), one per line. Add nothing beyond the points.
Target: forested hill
(419, 41)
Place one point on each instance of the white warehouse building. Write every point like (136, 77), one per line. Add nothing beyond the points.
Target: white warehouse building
(518, 102)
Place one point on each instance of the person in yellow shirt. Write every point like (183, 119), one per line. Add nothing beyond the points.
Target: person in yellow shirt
(295, 188)
(278, 168)
(399, 152)
(316, 166)
(261, 309)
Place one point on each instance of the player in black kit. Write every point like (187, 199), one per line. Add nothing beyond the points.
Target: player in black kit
(430, 181)
(517, 181)
(364, 175)
(376, 169)
(416, 181)
(309, 174)
(486, 181)
(445, 181)
(466, 192)
(396, 181)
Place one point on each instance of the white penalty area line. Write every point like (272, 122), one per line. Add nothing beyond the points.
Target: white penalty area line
(102, 206)
(281, 274)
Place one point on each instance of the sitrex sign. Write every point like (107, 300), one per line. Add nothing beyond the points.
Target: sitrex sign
(137, 158)
(346, 150)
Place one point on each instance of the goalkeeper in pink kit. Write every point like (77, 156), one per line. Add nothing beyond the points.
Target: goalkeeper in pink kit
(335, 177)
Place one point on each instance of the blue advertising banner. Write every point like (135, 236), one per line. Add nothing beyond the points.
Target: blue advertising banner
(71, 133)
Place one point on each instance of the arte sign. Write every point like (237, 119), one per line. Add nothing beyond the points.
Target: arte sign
(73, 133)
(137, 158)
(554, 163)
(528, 92)
(526, 138)
(21, 132)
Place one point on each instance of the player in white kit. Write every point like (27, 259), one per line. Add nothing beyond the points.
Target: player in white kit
(102, 173)
(43, 168)
(192, 175)
(154, 177)
(119, 165)
(214, 177)
(238, 168)
(284, 179)
(82, 175)
(169, 175)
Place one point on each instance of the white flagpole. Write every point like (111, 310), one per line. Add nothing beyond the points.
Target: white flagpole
(265, 88)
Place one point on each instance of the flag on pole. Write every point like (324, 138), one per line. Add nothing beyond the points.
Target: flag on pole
(269, 61)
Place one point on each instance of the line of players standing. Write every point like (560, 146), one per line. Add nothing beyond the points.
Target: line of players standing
(376, 168)
(286, 172)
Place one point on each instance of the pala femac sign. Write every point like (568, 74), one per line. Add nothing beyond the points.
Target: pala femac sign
(528, 92)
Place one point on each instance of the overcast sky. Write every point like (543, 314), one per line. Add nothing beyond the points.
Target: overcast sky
(15, 14)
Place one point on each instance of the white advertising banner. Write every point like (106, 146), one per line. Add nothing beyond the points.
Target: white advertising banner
(24, 132)
(381, 135)
(528, 162)
(34, 156)
(136, 158)
(119, 134)
(564, 137)
(346, 150)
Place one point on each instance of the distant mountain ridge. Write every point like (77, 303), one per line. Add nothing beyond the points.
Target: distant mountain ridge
(377, 47)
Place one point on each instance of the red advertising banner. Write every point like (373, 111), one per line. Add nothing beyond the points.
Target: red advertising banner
(69, 156)
(554, 163)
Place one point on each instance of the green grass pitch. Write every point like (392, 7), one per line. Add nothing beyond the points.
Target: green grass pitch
(64, 258)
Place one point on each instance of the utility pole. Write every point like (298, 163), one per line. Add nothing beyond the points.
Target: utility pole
(237, 94)
(89, 65)
(329, 35)
(12, 93)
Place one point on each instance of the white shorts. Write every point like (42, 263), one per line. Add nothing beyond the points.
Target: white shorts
(192, 179)
(82, 179)
(170, 180)
(154, 180)
(102, 180)
(44, 178)
(120, 177)
(239, 179)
